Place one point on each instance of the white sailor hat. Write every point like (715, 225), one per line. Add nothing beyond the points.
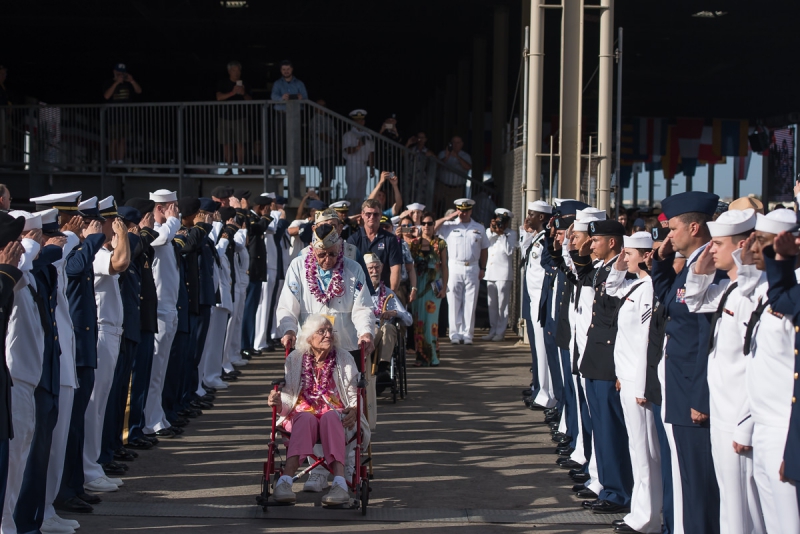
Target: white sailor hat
(638, 240)
(49, 221)
(164, 195)
(464, 204)
(33, 221)
(583, 226)
(540, 206)
(342, 205)
(358, 114)
(89, 209)
(416, 206)
(504, 213)
(590, 213)
(776, 221)
(733, 223)
(108, 207)
(60, 201)
(269, 195)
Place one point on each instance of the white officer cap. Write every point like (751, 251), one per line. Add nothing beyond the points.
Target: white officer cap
(106, 203)
(733, 223)
(540, 206)
(269, 195)
(583, 226)
(88, 204)
(416, 206)
(464, 204)
(33, 221)
(164, 195)
(358, 114)
(558, 201)
(776, 221)
(342, 205)
(590, 214)
(504, 212)
(638, 240)
(60, 201)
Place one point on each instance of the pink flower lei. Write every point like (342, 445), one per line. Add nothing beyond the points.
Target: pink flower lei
(313, 391)
(381, 300)
(336, 286)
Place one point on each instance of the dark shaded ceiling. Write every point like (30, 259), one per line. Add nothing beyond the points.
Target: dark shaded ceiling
(390, 56)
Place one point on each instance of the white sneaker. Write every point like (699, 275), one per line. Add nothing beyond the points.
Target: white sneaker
(500, 337)
(100, 485)
(467, 341)
(337, 495)
(489, 337)
(455, 341)
(69, 522)
(283, 492)
(115, 481)
(316, 482)
(239, 363)
(51, 526)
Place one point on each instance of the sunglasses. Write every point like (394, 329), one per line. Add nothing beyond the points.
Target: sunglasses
(370, 214)
(429, 223)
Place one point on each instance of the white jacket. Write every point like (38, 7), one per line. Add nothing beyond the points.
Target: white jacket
(25, 335)
(352, 312)
(500, 258)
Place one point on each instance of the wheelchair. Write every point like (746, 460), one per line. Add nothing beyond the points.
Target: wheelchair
(273, 467)
(397, 377)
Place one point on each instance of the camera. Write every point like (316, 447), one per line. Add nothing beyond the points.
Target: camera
(450, 146)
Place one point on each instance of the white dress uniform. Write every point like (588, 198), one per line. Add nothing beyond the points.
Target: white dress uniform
(269, 288)
(630, 363)
(356, 163)
(167, 279)
(464, 245)
(727, 370)
(352, 312)
(210, 367)
(499, 280)
(66, 340)
(109, 335)
(24, 357)
(233, 338)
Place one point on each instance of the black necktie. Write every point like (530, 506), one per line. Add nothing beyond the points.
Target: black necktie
(751, 325)
(712, 339)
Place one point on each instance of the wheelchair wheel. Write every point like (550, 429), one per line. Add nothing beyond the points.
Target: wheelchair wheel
(364, 496)
(402, 377)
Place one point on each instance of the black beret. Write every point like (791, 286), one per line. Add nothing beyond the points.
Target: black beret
(222, 191)
(189, 206)
(129, 214)
(227, 213)
(612, 228)
(563, 222)
(660, 233)
(10, 228)
(240, 194)
(262, 201)
(143, 205)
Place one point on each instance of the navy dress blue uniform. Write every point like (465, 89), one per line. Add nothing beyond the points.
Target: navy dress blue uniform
(548, 321)
(130, 291)
(83, 310)
(148, 324)
(257, 271)
(180, 350)
(29, 512)
(784, 297)
(597, 367)
(686, 387)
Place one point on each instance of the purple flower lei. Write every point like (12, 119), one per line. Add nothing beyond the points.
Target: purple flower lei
(313, 391)
(335, 288)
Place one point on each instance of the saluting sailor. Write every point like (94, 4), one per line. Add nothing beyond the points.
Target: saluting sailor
(468, 249)
(349, 226)
(499, 272)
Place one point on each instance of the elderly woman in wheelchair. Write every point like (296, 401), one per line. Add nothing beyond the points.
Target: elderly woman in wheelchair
(318, 403)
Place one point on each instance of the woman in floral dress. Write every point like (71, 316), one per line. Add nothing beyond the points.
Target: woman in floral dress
(430, 260)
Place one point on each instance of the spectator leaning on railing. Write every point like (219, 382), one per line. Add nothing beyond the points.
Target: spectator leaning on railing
(119, 90)
(232, 124)
(450, 185)
(288, 87)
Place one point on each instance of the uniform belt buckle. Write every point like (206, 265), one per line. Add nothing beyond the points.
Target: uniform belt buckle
(466, 264)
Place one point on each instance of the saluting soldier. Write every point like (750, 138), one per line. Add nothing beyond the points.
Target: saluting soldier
(349, 226)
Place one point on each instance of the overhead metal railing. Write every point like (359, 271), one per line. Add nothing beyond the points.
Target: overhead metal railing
(292, 146)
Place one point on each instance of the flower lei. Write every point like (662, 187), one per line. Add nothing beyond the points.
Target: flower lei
(382, 294)
(335, 288)
(312, 390)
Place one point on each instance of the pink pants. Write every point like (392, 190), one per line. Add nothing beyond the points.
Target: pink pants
(306, 430)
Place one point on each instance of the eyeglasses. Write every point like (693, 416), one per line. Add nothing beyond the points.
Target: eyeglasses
(327, 254)
(322, 332)
(429, 223)
(371, 214)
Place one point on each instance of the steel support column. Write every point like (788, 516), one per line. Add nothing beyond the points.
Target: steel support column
(533, 189)
(605, 103)
(569, 162)
(478, 108)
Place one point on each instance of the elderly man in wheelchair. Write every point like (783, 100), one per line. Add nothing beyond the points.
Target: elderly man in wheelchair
(319, 403)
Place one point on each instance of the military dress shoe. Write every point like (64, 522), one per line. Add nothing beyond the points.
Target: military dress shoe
(163, 433)
(209, 389)
(617, 522)
(562, 460)
(624, 527)
(565, 453)
(269, 348)
(113, 470)
(573, 470)
(140, 444)
(124, 455)
(180, 422)
(228, 377)
(74, 505)
(608, 507)
(579, 487)
(152, 439)
(588, 505)
(580, 477)
(536, 407)
(586, 494)
(176, 430)
(550, 411)
(208, 397)
(90, 498)
(527, 392)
